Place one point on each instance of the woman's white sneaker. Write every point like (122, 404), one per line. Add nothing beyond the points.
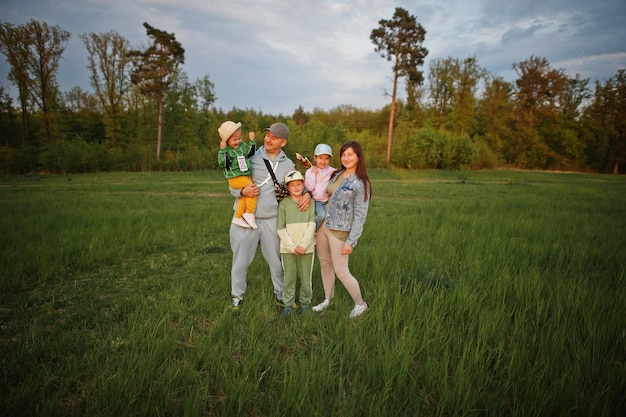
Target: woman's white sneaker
(358, 310)
(321, 306)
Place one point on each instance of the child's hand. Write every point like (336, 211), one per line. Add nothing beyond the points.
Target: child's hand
(313, 170)
(251, 136)
(222, 144)
(299, 250)
(305, 161)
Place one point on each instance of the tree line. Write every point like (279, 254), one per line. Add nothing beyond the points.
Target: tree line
(145, 114)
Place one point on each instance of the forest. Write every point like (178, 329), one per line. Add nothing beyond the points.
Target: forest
(145, 114)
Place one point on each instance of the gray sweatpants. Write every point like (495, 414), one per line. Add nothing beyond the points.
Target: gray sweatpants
(244, 243)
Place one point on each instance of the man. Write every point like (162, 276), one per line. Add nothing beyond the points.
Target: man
(243, 241)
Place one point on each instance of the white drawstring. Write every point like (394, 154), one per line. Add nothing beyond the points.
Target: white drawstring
(269, 176)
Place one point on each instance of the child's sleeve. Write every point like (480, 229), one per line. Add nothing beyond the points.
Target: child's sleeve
(223, 159)
(281, 222)
(309, 180)
(252, 150)
(281, 227)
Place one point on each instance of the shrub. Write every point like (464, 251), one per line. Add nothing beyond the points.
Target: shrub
(440, 149)
(7, 155)
(21, 160)
(485, 157)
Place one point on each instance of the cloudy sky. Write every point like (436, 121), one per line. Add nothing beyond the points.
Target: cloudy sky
(276, 55)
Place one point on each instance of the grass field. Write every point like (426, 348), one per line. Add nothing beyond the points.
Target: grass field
(492, 293)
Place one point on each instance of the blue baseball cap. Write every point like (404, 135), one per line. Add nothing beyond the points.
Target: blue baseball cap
(323, 149)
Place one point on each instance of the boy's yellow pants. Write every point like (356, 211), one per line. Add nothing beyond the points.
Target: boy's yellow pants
(244, 204)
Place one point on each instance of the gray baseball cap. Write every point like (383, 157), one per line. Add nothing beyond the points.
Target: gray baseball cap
(280, 130)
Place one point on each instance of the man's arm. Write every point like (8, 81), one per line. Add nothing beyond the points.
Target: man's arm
(305, 201)
(250, 190)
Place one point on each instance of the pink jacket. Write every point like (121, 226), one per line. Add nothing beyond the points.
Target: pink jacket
(316, 183)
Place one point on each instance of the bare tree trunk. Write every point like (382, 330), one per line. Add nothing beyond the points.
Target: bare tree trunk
(46, 120)
(392, 114)
(24, 120)
(159, 130)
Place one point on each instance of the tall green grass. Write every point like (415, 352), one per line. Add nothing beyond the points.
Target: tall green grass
(492, 293)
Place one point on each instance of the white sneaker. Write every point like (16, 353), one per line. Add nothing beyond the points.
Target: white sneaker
(250, 219)
(321, 306)
(236, 302)
(358, 310)
(240, 222)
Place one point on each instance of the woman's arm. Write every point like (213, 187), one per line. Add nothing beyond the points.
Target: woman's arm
(359, 216)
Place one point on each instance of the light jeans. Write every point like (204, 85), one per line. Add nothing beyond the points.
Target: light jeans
(320, 213)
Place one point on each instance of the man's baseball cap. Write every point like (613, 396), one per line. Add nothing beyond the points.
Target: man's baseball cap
(279, 130)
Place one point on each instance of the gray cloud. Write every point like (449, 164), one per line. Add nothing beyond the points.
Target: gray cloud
(273, 55)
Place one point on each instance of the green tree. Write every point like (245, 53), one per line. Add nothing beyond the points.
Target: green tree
(8, 126)
(155, 69)
(399, 40)
(414, 111)
(206, 92)
(14, 45)
(453, 86)
(109, 67)
(181, 112)
(495, 115)
(300, 116)
(539, 88)
(604, 121)
(82, 116)
(47, 44)
(467, 75)
(440, 89)
(547, 107)
(34, 51)
(564, 137)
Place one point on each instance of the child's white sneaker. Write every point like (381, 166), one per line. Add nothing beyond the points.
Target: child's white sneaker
(250, 219)
(358, 310)
(241, 222)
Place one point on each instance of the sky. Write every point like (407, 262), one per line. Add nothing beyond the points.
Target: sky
(276, 55)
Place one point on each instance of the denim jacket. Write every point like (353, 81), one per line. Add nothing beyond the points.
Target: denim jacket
(346, 210)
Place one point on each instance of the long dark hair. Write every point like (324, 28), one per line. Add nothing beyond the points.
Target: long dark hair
(361, 168)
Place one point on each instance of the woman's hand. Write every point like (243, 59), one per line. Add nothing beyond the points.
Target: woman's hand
(347, 249)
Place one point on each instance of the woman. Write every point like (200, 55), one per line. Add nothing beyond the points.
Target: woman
(349, 191)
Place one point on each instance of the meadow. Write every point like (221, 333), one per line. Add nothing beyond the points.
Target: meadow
(491, 293)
